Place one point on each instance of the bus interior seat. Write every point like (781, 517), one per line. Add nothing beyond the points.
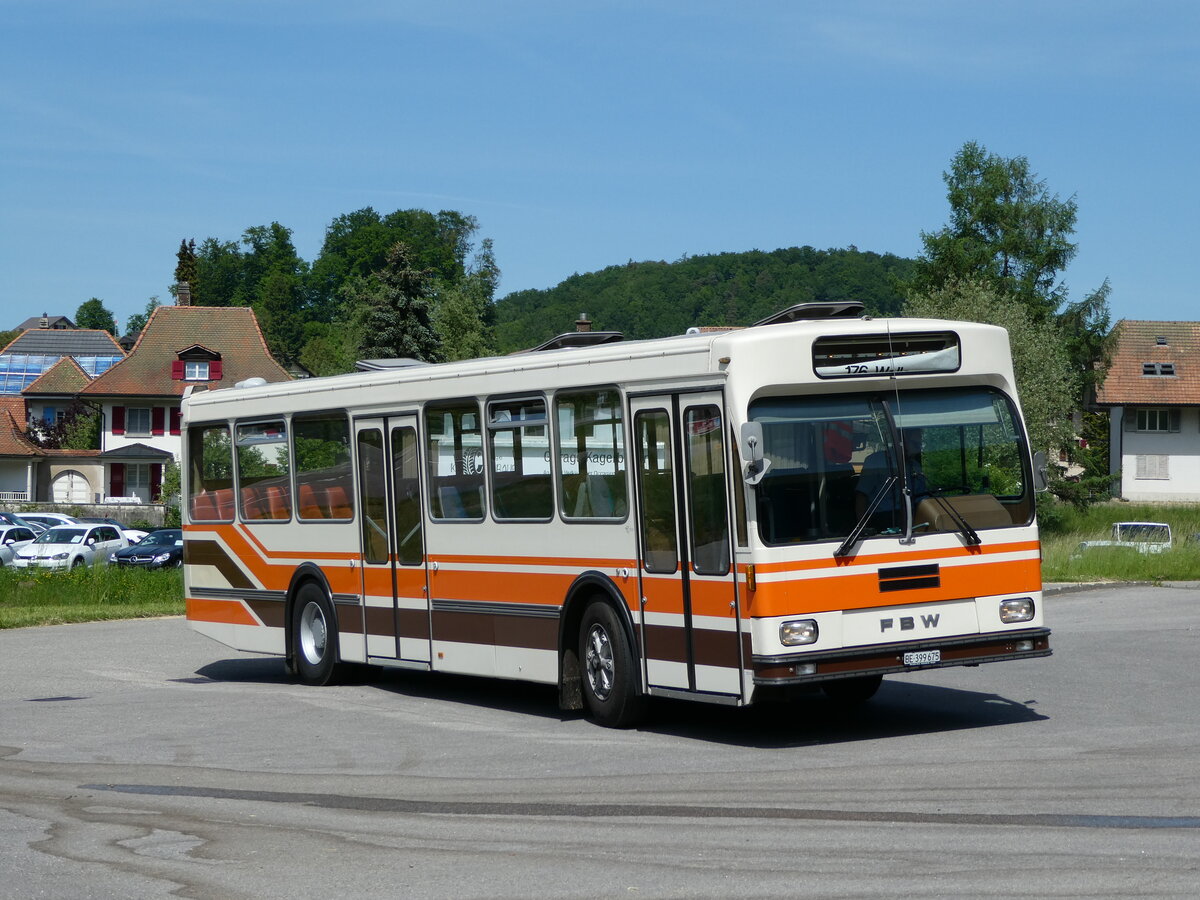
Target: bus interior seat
(307, 506)
(338, 502)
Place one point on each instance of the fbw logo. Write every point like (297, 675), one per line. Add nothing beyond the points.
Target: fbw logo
(909, 623)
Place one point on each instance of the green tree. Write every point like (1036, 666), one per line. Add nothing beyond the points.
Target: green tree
(172, 490)
(279, 312)
(137, 321)
(329, 348)
(391, 312)
(220, 275)
(93, 314)
(185, 267)
(1006, 229)
(463, 312)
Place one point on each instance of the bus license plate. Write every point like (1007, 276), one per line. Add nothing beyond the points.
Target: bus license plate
(923, 658)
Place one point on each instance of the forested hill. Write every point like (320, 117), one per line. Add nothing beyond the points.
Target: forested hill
(655, 299)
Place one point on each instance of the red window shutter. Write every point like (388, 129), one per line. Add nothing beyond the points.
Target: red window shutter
(214, 370)
(176, 419)
(116, 480)
(118, 424)
(157, 416)
(177, 370)
(155, 481)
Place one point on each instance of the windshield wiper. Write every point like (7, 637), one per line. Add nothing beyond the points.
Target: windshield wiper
(856, 532)
(962, 525)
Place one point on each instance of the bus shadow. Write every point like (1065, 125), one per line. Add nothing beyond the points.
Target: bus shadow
(899, 709)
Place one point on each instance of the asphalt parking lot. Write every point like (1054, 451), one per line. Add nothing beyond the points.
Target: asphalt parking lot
(138, 759)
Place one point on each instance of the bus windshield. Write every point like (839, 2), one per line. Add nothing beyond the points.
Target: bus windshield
(930, 460)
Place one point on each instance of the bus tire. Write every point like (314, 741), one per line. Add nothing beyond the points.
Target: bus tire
(609, 674)
(314, 636)
(850, 691)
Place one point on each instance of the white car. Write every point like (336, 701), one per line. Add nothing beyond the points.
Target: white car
(12, 539)
(68, 546)
(48, 519)
(1144, 537)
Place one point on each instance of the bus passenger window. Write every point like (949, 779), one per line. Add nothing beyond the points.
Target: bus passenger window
(590, 444)
(265, 490)
(520, 455)
(322, 454)
(455, 461)
(210, 474)
(706, 490)
(372, 477)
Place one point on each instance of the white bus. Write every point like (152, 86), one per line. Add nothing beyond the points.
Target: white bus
(815, 501)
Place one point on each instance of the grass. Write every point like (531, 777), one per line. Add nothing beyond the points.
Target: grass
(86, 594)
(1064, 528)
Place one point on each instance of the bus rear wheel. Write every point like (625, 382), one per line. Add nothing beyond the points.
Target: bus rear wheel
(610, 690)
(314, 636)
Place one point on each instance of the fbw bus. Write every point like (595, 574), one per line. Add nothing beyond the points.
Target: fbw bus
(815, 501)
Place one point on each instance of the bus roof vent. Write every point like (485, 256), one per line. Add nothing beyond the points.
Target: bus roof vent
(839, 309)
(387, 365)
(572, 339)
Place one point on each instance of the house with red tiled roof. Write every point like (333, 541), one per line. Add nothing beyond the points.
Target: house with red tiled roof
(1152, 394)
(181, 347)
(19, 456)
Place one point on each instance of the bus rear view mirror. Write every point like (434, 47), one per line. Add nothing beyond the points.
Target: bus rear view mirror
(1041, 482)
(752, 452)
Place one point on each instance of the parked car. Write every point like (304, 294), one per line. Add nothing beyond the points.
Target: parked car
(48, 519)
(68, 546)
(7, 518)
(160, 549)
(12, 539)
(132, 534)
(1142, 537)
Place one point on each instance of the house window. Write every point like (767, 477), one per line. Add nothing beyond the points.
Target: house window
(1153, 467)
(1164, 369)
(137, 421)
(195, 371)
(1157, 420)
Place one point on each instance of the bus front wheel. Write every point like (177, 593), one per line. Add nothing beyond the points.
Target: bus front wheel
(609, 673)
(314, 636)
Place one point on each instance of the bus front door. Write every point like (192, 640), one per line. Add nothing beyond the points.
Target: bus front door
(394, 585)
(690, 637)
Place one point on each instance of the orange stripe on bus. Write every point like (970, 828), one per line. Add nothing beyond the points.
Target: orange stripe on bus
(227, 612)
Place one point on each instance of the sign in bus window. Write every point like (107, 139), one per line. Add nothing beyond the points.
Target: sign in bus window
(706, 490)
(322, 454)
(590, 445)
(455, 459)
(520, 452)
(210, 474)
(657, 487)
(262, 465)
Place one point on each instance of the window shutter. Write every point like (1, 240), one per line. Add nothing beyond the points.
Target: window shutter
(157, 416)
(1175, 420)
(156, 471)
(214, 370)
(118, 424)
(176, 419)
(116, 479)
(177, 370)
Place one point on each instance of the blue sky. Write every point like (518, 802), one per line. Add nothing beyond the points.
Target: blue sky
(582, 135)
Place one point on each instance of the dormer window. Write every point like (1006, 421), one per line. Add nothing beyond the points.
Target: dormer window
(195, 371)
(1153, 368)
(197, 363)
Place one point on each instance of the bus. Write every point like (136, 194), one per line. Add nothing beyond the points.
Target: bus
(812, 502)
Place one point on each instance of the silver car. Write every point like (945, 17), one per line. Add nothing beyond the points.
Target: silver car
(13, 538)
(68, 546)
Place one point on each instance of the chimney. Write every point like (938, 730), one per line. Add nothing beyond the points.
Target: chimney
(45, 323)
(183, 294)
(583, 323)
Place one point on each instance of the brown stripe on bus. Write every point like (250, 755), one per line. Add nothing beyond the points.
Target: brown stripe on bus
(210, 553)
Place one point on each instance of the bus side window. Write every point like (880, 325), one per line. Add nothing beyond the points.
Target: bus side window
(262, 470)
(519, 446)
(455, 461)
(210, 475)
(706, 490)
(590, 443)
(322, 453)
(407, 509)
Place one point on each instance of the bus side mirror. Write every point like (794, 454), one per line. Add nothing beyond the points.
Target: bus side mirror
(1041, 483)
(751, 446)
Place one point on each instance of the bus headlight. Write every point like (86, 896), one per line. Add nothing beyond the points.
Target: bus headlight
(798, 631)
(1020, 610)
